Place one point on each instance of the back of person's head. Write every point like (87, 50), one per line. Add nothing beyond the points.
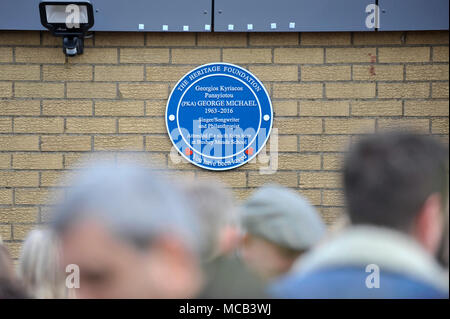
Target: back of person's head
(6, 264)
(279, 226)
(39, 265)
(214, 206)
(137, 227)
(10, 287)
(389, 177)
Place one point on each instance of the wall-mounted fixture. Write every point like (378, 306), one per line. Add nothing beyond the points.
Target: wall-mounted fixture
(70, 20)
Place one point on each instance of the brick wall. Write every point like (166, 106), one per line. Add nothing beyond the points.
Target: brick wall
(327, 89)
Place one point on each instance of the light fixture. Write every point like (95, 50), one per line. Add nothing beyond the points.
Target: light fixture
(70, 20)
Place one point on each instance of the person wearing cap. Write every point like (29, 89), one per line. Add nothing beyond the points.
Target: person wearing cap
(279, 226)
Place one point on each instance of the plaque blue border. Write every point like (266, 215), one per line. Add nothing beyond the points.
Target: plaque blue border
(176, 96)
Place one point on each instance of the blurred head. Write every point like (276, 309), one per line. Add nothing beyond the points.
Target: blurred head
(131, 234)
(6, 264)
(213, 204)
(9, 285)
(399, 181)
(39, 266)
(279, 226)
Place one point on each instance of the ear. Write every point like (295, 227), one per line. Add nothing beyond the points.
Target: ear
(228, 240)
(179, 268)
(428, 224)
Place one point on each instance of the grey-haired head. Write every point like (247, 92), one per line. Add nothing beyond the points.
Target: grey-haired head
(135, 203)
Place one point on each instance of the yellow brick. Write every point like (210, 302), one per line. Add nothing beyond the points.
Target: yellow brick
(333, 198)
(144, 55)
(119, 108)
(6, 196)
(440, 54)
(379, 38)
(419, 125)
(38, 125)
(19, 179)
(439, 90)
(67, 107)
(96, 55)
(325, 38)
(298, 162)
(171, 39)
(65, 143)
(19, 38)
(35, 196)
(13, 249)
(91, 90)
(247, 55)
(83, 160)
(49, 40)
(439, 126)
(403, 90)
(325, 73)
(119, 73)
(376, 108)
(273, 39)
(404, 54)
(298, 90)
(155, 108)
(287, 143)
(58, 178)
(298, 125)
(18, 214)
(40, 55)
(426, 72)
(5, 125)
(426, 108)
(285, 108)
(21, 231)
(90, 125)
(350, 90)
(320, 180)
(312, 195)
(19, 143)
(288, 179)
(5, 161)
(142, 125)
(39, 89)
(157, 143)
(20, 107)
(221, 39)
(298, 55)
(5, 89)
(119, 39)
(20, 72)
(149, 160)
(6, 55)
(143, 91)
(321, 143)
(5, 232)
(349, 126)
(332, 161)
(229, 178)
(324, 108)
(67, 72)
(166, 73)
(36, 161)
(350, 55)
(378, 72)
(275, 72)
(427, 37)
(118, 143)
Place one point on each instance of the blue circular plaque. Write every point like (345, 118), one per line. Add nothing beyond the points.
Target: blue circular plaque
(219, 116)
